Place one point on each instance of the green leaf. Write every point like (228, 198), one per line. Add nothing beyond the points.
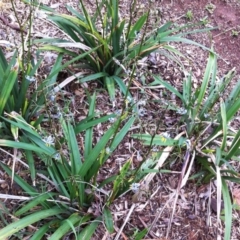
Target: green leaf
(168, 86)
(3, 61)
(205, 81)
(109, 81)
(72, 61)
(28, 220)
(38, 235)
(235, 93)
(232, 179)
(31, 164)
(235, 145)
(120, 181)
(88, 231)
(92, 77)
(89, 132)
(114, 144)
(71, 140)
(34, 202)
(57, 65)
(36, 4)
(122, 86)
(158, 140)
(233, 110)
(108, 219)
(116, 31)
(6, 88)
(20, 123)
(164, 27)
(122, 133)
(82, 126)
(187, 91)
(67, 224)
(20, 145)
(141, 234)
(22, 183)
(224, 124)
(100, 146)
(227, 210)
(215, 91)
(183, 40)
(137, 27)
(56, 171)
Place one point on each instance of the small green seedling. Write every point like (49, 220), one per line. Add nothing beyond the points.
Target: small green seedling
(204, 20)
(189, 15)
(234, 33)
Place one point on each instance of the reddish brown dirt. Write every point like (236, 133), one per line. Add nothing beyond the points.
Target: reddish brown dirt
(225, 15)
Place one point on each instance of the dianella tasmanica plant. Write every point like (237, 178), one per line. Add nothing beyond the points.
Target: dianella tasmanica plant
(71, 173)
(109, 45)
(207, 113)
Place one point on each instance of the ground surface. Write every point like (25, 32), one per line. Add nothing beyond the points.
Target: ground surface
(191, 220)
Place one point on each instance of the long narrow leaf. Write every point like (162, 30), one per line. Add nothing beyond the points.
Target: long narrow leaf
(207, 74)
(34, 202)
(92, 157)
(137, 27)
(22, 183)
(20, 145)
(108, 219)
(67, 225)
(184, 40)
(38, 235)
(109, 81)
(227, 210)
(168, 86)
(30, 159)
(84, 126)
(235, 146)
(224, 124)
(7, 88)
(89, 132)
(118, 138)
(26, 221)
(88, 231)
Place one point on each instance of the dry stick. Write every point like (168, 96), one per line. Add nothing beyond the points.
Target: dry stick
(24, 164)
(208, 221)
(7, 196)
(182, 181)
(67, 81)
(139, 85)
(141, 207)
(106, 235)
(146, 180)
(160, 213)
(219, 191)
(145, 225)
(14, 163)
(125, 222)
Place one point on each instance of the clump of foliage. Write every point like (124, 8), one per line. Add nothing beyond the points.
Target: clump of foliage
(111, 45)
(189, 15)
(210, 141)
(72, 177)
